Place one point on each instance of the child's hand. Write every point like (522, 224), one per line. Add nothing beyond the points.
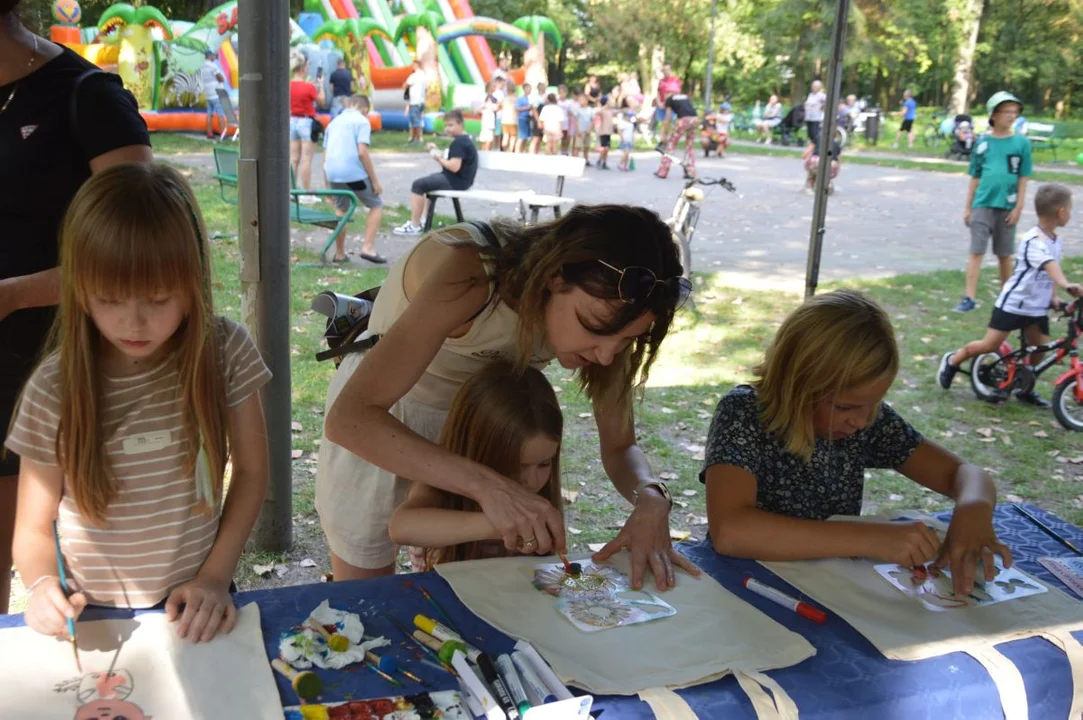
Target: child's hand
(48, 610)
(1013, 217)
(905, 543)
(971, 538)
(1074, 289)
(208, 609)
(966, 217)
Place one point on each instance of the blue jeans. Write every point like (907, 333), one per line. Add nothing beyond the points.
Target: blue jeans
(214, 107)
(415, 116)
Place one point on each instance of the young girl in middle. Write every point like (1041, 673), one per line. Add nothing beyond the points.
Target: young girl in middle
(506, 420)
(789, 451)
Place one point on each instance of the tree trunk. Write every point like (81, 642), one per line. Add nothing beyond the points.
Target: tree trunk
(969, 25)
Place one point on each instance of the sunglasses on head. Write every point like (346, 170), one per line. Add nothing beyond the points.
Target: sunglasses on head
(639, 283)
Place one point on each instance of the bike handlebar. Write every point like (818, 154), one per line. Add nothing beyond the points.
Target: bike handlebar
(721, 182)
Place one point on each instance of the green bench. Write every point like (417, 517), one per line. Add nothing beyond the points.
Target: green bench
(225, 164)
(1047, 134)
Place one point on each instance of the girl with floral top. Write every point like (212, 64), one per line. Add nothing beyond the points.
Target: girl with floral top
(789, 451)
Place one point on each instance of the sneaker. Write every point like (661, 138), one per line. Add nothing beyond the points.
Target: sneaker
(307, 199)
(947, 371)
(1031, 397)
(966, 305)
(407, 228)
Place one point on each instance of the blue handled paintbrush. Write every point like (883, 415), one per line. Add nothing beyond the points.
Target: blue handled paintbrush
(64, 587)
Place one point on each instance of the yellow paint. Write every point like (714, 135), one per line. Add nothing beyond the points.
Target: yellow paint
(315, 712)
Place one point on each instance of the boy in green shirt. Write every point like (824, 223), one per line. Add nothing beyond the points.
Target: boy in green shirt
(999, 168)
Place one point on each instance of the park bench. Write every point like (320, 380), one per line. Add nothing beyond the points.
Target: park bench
(225, 163)
(1048, 134)
(528, 202)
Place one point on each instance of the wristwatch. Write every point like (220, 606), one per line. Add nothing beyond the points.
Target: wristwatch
(659, 486)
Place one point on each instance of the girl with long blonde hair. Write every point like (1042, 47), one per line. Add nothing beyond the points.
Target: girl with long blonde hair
(126, 427)
(790, 450)
(507, 420)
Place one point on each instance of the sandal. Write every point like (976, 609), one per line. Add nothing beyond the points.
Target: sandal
(376, 258)
(342, 259)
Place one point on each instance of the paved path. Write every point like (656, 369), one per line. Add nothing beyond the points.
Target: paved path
(880, 221)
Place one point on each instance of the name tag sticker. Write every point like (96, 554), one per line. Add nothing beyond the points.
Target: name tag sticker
(146, 442)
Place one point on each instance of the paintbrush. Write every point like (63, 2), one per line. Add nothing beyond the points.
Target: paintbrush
(64, 587)
(1046, 529)
(432, 600)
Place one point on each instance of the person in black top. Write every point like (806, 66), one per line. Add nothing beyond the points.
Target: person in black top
(457, 171)
(341, 87)
(49, 145)
(679, 106)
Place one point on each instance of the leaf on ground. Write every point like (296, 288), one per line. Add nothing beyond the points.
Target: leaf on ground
(689, 493)
(703, 414)
(573, 530)
(595, 547)
(1034, 422)
(557, 388)
(1076, 460)
(895, 497)
(679, 535)
(709, 401)
(1042, 434)
(693, 519)
(987, 439)
(947, 433)
(1005, 439)
(1051, 453)
(263, 570)
(296, 427)
(667, 476)
(295, 454)
(570, 496)
(1013, 498)
(668, 411)
(927, 339)
(308, 562)
(680, 503)
(916, 409)
(584, 415)
(985, 432)
(281, 570)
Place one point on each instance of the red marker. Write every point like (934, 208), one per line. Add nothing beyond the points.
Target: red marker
(801, 608)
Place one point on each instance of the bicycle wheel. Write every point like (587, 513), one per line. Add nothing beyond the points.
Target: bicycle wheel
(1066, 407)
(684, 239)
(989, 377)
(931, 136)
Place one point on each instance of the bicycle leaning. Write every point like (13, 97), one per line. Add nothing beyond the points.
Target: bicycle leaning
(683, 220)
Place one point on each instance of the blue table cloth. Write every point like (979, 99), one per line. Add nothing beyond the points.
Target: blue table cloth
(847, 678)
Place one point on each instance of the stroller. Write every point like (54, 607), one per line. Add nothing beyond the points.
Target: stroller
(790, 126)
(962, 138)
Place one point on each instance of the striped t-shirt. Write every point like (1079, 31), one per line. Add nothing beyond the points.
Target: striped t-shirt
(155, 537)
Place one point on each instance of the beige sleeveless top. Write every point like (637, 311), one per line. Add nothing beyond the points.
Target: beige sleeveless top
(492, 335)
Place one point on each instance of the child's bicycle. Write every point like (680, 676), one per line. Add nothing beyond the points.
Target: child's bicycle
(683, 220)
(994, 376)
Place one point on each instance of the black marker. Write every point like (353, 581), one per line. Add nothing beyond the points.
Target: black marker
(488, 671)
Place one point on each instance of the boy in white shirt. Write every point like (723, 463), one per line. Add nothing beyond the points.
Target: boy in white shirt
(626, 128)
(584, 125)
(1028, 293)
(210, 76)
(551, 119)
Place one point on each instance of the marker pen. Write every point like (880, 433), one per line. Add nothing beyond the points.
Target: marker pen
(503, 696)
(511, 678)
(801, 608)
(543, 670)
(490, 707)
(443, 632)
(537, 692)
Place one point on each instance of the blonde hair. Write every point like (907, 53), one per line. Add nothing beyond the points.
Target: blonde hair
(134, 230)
(833, 342)
(620, 235)
(297, 60)
(493, 415)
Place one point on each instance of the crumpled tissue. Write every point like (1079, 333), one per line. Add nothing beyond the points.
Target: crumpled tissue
(305, 648)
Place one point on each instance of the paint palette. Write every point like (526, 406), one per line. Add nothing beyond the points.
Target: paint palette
(446, 705)
(934, 587)
(599, 597)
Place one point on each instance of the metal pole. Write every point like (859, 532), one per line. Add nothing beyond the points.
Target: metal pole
(827, 133)
(710, 60)
(263, 175)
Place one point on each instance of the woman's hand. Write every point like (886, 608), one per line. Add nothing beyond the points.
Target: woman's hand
(905, 543)
(646, 535)
(525, 520)
(208, 609)
(971, 538)
(48, 609)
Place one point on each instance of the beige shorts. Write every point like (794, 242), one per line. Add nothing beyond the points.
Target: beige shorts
(355, 498)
